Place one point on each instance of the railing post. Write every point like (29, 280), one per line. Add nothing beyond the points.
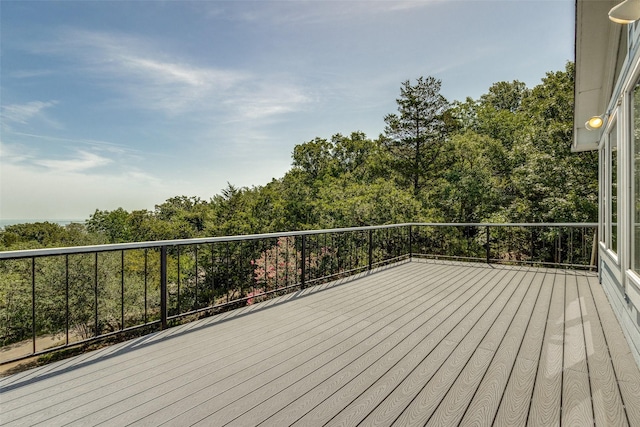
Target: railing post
(302, 259)
(370, 249)
(163, 287)
(488, 245)
(594, 248)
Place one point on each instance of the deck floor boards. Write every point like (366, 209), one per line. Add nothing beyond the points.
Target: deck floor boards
(418, 343)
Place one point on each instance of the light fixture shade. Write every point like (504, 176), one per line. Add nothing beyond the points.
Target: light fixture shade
(594, 123)
(626, 12)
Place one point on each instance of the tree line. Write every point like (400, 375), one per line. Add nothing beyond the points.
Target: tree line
(504, 157)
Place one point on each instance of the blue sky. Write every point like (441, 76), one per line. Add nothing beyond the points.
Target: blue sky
(108, 104)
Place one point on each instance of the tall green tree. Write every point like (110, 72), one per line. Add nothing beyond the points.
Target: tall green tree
(313, 157)
(414, 136)
(112, 224)
(550, 183)
(472, 186)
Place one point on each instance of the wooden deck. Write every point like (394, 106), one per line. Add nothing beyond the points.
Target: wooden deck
(422, 343)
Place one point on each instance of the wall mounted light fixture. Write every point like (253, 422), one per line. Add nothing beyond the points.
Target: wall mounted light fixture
(594, 122)
(626, 12)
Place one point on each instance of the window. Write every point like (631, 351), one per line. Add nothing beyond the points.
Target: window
(613, 188)
(635, 169)
(604, 229)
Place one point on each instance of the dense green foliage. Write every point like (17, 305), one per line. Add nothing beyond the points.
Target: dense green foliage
(504, 157)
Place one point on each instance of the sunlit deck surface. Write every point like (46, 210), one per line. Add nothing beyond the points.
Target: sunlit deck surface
(418, 343)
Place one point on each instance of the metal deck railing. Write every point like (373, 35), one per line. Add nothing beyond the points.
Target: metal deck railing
(61, 297)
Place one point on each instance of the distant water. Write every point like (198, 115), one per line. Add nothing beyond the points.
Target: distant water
(5, 222)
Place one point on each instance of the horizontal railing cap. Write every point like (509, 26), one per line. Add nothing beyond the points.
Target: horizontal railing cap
(29, 253)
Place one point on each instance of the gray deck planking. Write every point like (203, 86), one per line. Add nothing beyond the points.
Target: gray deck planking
(491, 390)
(420, 343)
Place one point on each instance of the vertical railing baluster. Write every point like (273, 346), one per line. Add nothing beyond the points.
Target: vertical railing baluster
(355, 240)
(410, 242)
(196, 291)
(357, 248)
(391, 243)
(163, 287)
(228, 270)
(66, 291)
(295, 248)
(555, 244)
(312, 243)
(179, 300)
(266, 270)
(347, 245)
(146, 253)
(303, 260)
(332, 260)
(363, 253)
(559, 246)
(571, 245)
(95, 293)
(212, 298)
(352, 249)
(324, 261)
(310, 247)
(277, 261)
(370, 266)
(348, 262)
(354, 258)
(340, 252)
(532, 244)
(33, 302)
(122, 289)
(286, 262)
(240, 279)
(488, 228)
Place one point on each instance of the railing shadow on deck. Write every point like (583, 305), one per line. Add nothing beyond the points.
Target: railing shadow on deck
(83, 294)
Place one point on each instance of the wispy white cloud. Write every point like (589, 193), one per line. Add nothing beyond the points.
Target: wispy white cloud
(81, 162)
(24, 113)
(27, 74)
(318, 12)
(15, 153)
(69, 158)
(101, 145)
(145, 76)
(265, 100)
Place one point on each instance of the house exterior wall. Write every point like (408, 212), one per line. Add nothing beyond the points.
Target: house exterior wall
(619, 184)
